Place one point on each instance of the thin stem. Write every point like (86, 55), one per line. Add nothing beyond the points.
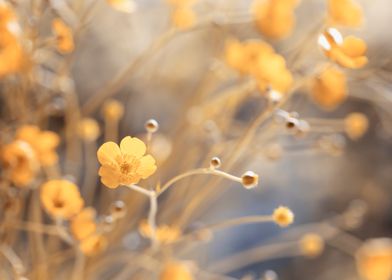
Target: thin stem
(198, 172)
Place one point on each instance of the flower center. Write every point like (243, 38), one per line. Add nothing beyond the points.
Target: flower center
(57, 203)
(125, 167)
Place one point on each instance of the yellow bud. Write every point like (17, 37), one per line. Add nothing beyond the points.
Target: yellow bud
(283, 216)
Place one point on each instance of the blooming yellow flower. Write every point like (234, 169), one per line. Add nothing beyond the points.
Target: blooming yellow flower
(175, 271)
(259, 60)
(64, 36)
(329, 89)
(164, 234)
(19, 162)
(183, 17)
(348, 52)
(93, 244)
(44, 143)
(83, 224)
(125, 6)
(374, 259)
(125, 164)
(356, 125)
(275, 18)
(61, 198)
(345, 12)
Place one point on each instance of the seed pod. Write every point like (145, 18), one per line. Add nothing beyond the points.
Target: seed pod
(249, 179)
(151, 126)
(215, 163)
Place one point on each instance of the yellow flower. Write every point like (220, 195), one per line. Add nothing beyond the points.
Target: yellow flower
(175, 271)
(283, 216)
(125, 6)
(88, 129)
(12, 57)
(329, 89)
(165, 234)
(44, 143)
(356, 125)
(275, 18)
(126, 164)
(183, 17)
(112, 110)
(348, 52)
(312, 245)
(93, 244)
(61, 198)
(19, 162)
(259, 60)
(345, 13)
(83, 224)
(64, 36)
(374, 259)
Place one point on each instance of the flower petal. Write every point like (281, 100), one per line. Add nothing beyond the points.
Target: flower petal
(109, 177)
(133, 146)
(147, 166)
(108, 153)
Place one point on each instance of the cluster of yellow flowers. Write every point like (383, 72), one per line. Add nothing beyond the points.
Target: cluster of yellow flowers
(259, 60)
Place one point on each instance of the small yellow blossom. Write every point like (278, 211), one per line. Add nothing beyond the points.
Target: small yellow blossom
(19, 162)
(88, 129)
(183, 17)
(349, 52)
(64, 36)
(83, 224)
(312, 245)
(258, 59)
(61, 198)
(374, 259)
(283, 216)
(125, 164)
(44, 143)
(175, 271)
(329, 89)
(113, 110)
(125, 6)
(345, 12)
(164, 234)
(356, 125)
(93, 245)
(275, 18)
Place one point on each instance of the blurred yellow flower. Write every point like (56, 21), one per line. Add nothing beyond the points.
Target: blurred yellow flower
(180, 2)
(83, 224)
(44, 143)
(345, 13)
(164, 234)
(183, 17)
(125, 164)
(348, 52)
(283, 216)
(19, 162)
(112, 110)
(329, 89)
(125, 6)
(258, 59)
(88, 129)
(312, 245)
(93, 245)
(175, 271)
(61, 198)
(275, 18)
(374, 259)
(356, 125)
(64, 36)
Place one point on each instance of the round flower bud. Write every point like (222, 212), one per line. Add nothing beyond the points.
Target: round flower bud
(374, 259)
(118, 209)
(88, 129)
(312, 245)
(215, 163)
(274, 97)
(283, 216)
(113, 110)
(356, 125)
(151, 126)
(249, 179)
